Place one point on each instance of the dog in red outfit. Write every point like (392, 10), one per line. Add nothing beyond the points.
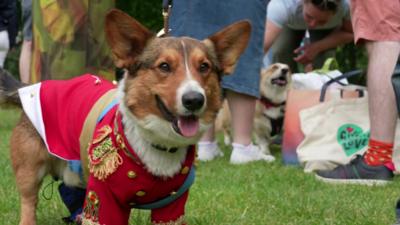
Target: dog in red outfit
(134, 141)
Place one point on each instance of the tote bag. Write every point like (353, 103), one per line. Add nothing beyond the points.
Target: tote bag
(334, 132)
(299, 99)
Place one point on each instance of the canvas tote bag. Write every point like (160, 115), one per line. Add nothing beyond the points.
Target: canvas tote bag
(299, 99)
(334, 132)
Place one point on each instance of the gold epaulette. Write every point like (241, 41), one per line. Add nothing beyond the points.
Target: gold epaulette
(104, 158)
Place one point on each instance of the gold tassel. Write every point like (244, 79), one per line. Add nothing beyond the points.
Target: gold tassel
(103, 133)
(108, 165)
(104, 160)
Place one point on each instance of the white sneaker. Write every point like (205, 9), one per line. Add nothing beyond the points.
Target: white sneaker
(243, 154)
(207, 151)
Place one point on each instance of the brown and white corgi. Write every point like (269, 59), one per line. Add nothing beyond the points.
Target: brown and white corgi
(135, 141)
(275, 82)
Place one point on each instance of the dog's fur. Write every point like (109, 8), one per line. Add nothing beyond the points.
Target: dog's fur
(275, 81)
(169, 68)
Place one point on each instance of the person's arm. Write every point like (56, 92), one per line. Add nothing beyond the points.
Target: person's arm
(271, 33)
(338, 37)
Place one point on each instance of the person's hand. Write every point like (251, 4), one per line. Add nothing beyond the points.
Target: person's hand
(306, 53)
(308, 67)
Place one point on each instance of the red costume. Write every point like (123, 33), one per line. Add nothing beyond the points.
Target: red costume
(118, 180)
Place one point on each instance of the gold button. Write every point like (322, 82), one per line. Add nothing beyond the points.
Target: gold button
(185, 170)
(140, 193)
(131, 174)
(132, 204)
(173, 193)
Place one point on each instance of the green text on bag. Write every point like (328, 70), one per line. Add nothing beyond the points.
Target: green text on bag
(352, 138)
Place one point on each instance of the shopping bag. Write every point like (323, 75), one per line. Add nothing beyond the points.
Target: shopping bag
(299, 99)
(334, 131)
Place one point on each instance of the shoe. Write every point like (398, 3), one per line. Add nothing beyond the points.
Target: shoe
(357, 172)
(243, 154)
(207, 151)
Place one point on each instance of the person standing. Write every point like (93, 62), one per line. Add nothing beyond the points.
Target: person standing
(200, 19)
(377, 24)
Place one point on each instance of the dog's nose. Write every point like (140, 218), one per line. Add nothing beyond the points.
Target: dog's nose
(284, 71)
(193, 100)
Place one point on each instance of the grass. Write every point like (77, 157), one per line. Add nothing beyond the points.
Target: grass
(224, 194)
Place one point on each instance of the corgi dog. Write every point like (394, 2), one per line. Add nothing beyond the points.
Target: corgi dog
(134, 142)
(275, 81)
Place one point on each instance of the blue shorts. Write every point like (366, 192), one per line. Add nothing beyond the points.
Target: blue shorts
(201, 18)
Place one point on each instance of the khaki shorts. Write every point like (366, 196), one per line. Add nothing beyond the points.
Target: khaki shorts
(376, 20)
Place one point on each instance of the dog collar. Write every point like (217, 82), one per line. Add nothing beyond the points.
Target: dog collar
(164, 149)
(267, 103)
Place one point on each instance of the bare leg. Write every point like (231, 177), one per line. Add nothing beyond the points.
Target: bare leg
(25, 62)
(242, 108)
(382, 103)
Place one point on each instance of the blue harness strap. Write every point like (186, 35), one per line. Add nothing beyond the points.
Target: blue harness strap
(106, 109)
(167, 200)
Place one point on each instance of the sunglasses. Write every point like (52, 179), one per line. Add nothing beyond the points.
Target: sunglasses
(330, 5)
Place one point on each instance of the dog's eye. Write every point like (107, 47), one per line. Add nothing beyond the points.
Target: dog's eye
(204, 67)
(164, 67)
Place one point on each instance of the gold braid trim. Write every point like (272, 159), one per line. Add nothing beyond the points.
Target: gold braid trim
(179, 221)
(104, 160)
(86, 221)
(108, 166)
(103, 133)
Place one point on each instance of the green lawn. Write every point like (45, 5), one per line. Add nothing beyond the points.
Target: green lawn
(257, 193)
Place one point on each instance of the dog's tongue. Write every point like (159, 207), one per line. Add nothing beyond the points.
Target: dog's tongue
(188, 125)
(280, 81)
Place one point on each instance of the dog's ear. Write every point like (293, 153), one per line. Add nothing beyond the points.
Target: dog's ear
(126, 37)
(230, 43)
